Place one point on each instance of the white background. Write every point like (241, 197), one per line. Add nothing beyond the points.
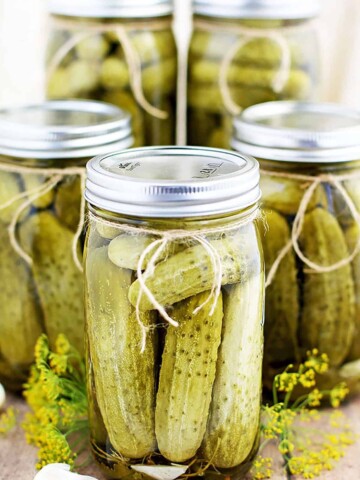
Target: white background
(23, 37)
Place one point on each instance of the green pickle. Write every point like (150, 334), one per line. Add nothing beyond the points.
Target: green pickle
(253, 73)
(46, 296)
(97, 68)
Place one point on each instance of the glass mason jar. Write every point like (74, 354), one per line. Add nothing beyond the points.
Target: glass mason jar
(243, 53)
(121, 52)
(43, 153)
(174, 312)
(310, 162)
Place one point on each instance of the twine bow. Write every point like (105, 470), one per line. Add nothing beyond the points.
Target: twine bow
(314, 183)
(158, 246)
(132, 57)
(54, 177)
(247, 35)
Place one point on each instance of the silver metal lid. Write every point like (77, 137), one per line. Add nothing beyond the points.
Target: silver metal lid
(64, 129)
(299, 132)
(173, 182)
(111, 8)
(258, 9)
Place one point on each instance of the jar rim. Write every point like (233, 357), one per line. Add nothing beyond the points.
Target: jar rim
(259, 10)
(64, 129)
(111, 8)
(173, 182)
(303, 132)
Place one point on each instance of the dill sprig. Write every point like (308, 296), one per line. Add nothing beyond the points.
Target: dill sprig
(307, 451)
(56, 394)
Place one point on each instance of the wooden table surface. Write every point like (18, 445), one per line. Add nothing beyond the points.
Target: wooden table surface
(17, 459)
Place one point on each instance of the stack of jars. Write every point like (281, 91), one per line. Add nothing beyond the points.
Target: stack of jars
(165, 243)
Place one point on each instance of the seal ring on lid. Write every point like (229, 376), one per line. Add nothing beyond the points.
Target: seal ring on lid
(299, 132)
(175, 182)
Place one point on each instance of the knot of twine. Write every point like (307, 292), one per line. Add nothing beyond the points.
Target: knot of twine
(247, 35)
(54, 176)
(159, 245)
(132, 56)
(293, 243)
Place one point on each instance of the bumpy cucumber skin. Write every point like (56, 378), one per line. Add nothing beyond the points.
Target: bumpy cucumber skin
(188, 273)
(328, 315)
(282, 297)
(67, 202)
(285, 195)
(234, 418)
(352, 236)
(20, 323)
(124, 377)
(59, 282)
(186, 378)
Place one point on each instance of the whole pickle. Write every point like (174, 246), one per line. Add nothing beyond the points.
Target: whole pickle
(160, 79)
(125, 250)
(328, 315)
(20, 324)
(260, 52)
(57, 278)
(83, 77)
(352, 236)
(282, 296)
(191, 272)
(58, 85)
(209, 98)
(285, 195)
(67, 202)
(33, 181)
(234, 419)
(186, 377)
(298, 84)
(114, 73)
(124, 377)
(152, 46)
(92, 48)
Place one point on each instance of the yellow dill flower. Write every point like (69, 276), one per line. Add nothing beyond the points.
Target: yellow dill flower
(286, 382)
(262, 468)
(338, 394)
(314, 398)
(286, 447)
(307, 379)
(56, 393)
(7, 421)
(319, 363)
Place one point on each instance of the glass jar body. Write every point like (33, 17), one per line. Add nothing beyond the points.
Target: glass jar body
(234, 64)
(307, 305)
(40, 283)
(130, 63)
(187, 393)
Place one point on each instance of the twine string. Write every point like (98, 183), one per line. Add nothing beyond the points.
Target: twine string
(158, 247)
(132, 57)
(297, 227)
(54, 177)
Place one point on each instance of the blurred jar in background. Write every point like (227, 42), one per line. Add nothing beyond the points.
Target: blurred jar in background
(43, 152)
(243, 53)
(121, 52)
